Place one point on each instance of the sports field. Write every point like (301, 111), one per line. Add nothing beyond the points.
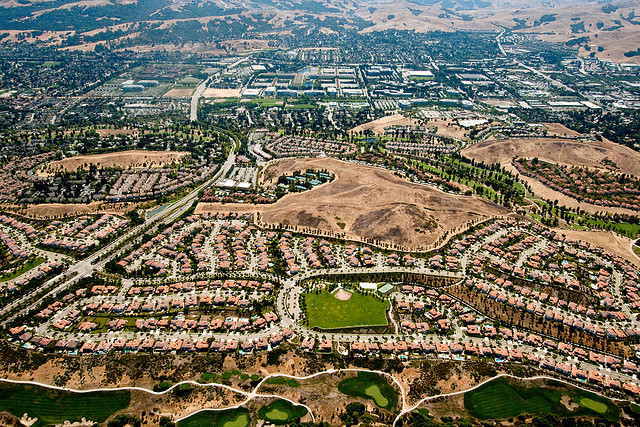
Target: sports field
(324, 311)
(55, 406)
(370, 386)
(238, 417)
(503, 398)
(281, 412)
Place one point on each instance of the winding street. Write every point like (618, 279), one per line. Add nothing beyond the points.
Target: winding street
(97, 260)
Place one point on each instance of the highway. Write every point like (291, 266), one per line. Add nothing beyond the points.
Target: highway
(195, 99)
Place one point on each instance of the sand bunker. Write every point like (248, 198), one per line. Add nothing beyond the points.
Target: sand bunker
(568, 402)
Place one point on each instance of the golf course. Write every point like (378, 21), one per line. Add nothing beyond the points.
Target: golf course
(238, 417)
(55, 406)
(505, 398)
(370, 386)
(281, 412)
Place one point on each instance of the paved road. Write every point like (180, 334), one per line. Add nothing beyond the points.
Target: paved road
(195, 99)
(551, 80)
(86, 267)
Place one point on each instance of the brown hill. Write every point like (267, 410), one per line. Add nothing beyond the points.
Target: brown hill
(569, 152)
(367, 202)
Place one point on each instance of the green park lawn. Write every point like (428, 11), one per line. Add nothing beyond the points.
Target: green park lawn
(56, 406)
(32, 263)
(503, 398)
(268, 102)
(324, 311)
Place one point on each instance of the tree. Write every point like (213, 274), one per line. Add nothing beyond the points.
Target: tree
(352, 413)
(166, 422)
(123, 420)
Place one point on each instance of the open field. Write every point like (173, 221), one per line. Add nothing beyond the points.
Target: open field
(121, 159)
(211, 92)
(615, 43)
(607, 240)
(281, 412)
(370, 202)
(60, 210)
(178, 93)
(558, 129)
(370, 386)
(503, 398)
(325, 311)
(578, 153)
(239, 417)
(54, 407)
(377, 126)
(445, 127)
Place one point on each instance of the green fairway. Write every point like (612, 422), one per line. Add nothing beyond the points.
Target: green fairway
(55, 406)
(238, 417)
(300, 106)
(282, 380)
(370, 386)
(324, 311)
(281, 412)
(503, 398)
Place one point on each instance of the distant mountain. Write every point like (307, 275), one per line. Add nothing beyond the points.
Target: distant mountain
(608, 29)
